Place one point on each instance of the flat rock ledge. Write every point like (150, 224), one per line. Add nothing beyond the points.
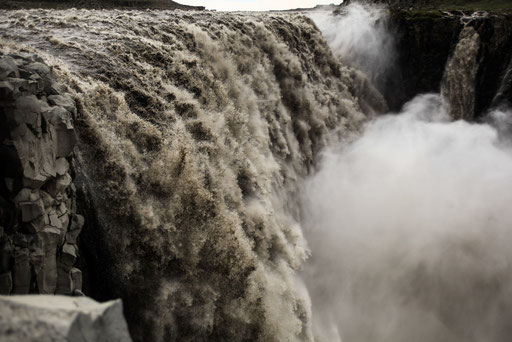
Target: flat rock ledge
(45, 318)
(39, 226)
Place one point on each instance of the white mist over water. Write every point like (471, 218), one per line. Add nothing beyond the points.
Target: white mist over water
(410, 228)
(360, 36)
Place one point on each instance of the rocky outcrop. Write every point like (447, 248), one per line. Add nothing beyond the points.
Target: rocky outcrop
(38, 221)
(459, 81)
(477, 75)
(424, 44)
(60, 318)
(465, 55)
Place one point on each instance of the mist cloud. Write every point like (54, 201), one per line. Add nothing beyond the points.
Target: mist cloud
(410, 228)
(360, 37)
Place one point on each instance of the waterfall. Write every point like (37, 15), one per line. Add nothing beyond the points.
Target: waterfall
(242, 179)
(195, 130)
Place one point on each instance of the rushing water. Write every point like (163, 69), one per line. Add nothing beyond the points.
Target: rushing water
(195, 129)
(198, 140)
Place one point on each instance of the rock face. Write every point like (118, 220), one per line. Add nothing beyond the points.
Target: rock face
(59, 318)
(479, 65)
(459, 81)
(38, 221)
(424, 43)
(465, 55)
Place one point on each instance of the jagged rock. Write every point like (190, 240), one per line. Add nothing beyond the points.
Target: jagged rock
(5, 283)
(60, 319)
(66, 138)
(47, 280)
(48, 200)
(68, 256)
(76, 276)
(62, 166)
(30, 204)
(39, 68)
(36, 83)
(33, 138)
(54, 220)
(64, 280)
(18, 83)
(28, 110)
(6, 251)
(21, 271)
(37, 155)
(61, 117)
(36, 258)
(56, 88)
(7, 214)
(36, 225)
(8, 68)
(31, 210)
(65, 101)
(6, 89)
(77, 222)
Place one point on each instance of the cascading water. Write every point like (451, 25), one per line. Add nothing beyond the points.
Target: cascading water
(360, 36)
(196, 133)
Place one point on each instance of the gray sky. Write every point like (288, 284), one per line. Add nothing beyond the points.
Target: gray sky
(254, 5)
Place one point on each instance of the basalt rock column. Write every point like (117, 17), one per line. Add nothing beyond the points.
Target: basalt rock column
(38, 221)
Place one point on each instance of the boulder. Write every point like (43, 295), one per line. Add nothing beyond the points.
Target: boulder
(39, 68)
(8, 68)
(47, 278)
(44, 318)
(65, 101)
(56, 88)
(66, 138)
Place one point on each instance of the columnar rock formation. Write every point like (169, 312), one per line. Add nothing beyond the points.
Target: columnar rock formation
(39, 225)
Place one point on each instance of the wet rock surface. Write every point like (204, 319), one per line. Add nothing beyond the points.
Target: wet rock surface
(38, 221)
(457, 53)
(59, 318)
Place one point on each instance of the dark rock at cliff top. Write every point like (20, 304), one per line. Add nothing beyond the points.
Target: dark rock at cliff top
(426, 41)
(489, 5)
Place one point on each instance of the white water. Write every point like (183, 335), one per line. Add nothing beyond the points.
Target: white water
(360, 37)
(195, 131)
(410, 226)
